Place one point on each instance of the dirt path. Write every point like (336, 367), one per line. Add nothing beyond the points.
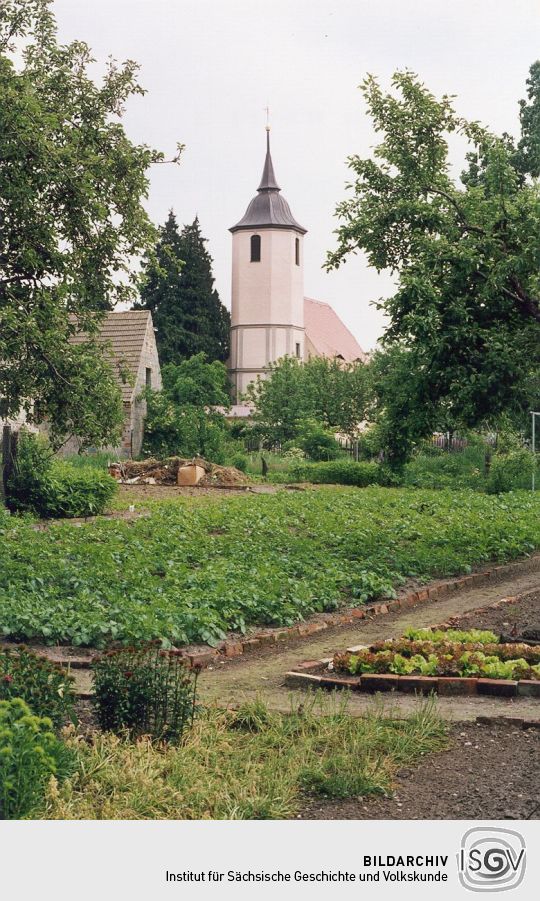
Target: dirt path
(261, 673)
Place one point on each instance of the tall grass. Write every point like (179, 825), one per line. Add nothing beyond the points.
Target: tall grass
(249, 764)
(95, 459)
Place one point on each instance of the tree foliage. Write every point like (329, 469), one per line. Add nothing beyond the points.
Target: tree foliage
(71, 221)
(178, 288)
(333, 393)
(181, 419)
(466, 256)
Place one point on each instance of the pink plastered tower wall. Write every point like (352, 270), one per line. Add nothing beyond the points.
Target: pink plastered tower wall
(267, 303)
(267, 283)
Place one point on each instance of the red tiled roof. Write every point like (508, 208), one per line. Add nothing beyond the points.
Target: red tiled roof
(328, 334)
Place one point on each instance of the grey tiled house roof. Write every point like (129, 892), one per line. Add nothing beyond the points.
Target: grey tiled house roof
(125, 334)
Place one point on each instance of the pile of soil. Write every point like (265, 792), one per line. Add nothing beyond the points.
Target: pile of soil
(165, 472)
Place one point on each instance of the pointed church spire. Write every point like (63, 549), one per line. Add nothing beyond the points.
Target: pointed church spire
(268, 209)
(268, 180)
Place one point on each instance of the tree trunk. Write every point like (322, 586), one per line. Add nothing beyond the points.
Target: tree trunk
(4, 455)
(10, 442)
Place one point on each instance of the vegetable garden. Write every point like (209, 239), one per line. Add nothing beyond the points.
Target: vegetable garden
(196, 568)
(451, 653)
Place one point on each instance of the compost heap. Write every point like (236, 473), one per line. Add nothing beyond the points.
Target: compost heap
(165, 472)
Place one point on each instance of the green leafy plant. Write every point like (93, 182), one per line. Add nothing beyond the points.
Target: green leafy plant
(317, 442)
(186, 417)
(44, 686)
(30, 754)
(53, 488)
(239, 461)
(197, 568)
(145, 691)
(511, 471)
(443, 658)
(481, 636)
(343, 472)
(433, 467)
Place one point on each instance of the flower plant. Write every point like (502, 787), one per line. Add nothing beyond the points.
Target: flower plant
(145, 690)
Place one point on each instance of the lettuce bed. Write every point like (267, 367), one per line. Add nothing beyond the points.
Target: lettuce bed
(472, 654)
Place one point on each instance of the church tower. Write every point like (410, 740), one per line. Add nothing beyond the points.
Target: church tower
(267, 311)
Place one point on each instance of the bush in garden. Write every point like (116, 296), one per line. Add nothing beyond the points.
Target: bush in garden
(43, 685)
(433, 467)
(33, 465)
(344, 472)
(53, 488)
(240, 461)
(317, 442)
(144, 691)
(30, 753)
(511, 471)
(69, 491)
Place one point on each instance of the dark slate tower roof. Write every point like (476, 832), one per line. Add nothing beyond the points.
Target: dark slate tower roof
(268, 209)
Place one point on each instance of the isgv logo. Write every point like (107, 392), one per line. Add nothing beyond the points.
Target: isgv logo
(491, 859)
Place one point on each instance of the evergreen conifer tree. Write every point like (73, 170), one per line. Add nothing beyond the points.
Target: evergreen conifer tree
(179, 291)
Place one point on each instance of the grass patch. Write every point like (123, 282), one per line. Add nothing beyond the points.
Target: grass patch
(193, 570)
(249, 764)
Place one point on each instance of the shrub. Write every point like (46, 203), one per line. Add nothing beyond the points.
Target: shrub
(371, 442)
(54, 488)
(43, 685)
(33, 466)
(316, 442)
(293, 453)
(511, 471)
(344, 472)
(434, 467)
(30, 754)
(240, 461)
(144, 691)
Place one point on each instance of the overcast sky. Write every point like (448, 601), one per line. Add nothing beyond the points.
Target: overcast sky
(211, 66)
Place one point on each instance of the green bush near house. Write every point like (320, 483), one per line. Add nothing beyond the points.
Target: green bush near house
(317, 442)
(433, 467)
(52, 488)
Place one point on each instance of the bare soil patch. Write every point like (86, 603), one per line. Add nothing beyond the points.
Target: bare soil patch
(520, 614)
(142, 492)
(488, 772)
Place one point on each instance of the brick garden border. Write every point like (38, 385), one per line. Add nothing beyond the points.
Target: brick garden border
(307, 674)
(203, 656)
(444, 686)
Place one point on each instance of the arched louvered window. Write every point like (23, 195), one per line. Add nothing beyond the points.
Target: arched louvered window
(297, 250)
(255, 248)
